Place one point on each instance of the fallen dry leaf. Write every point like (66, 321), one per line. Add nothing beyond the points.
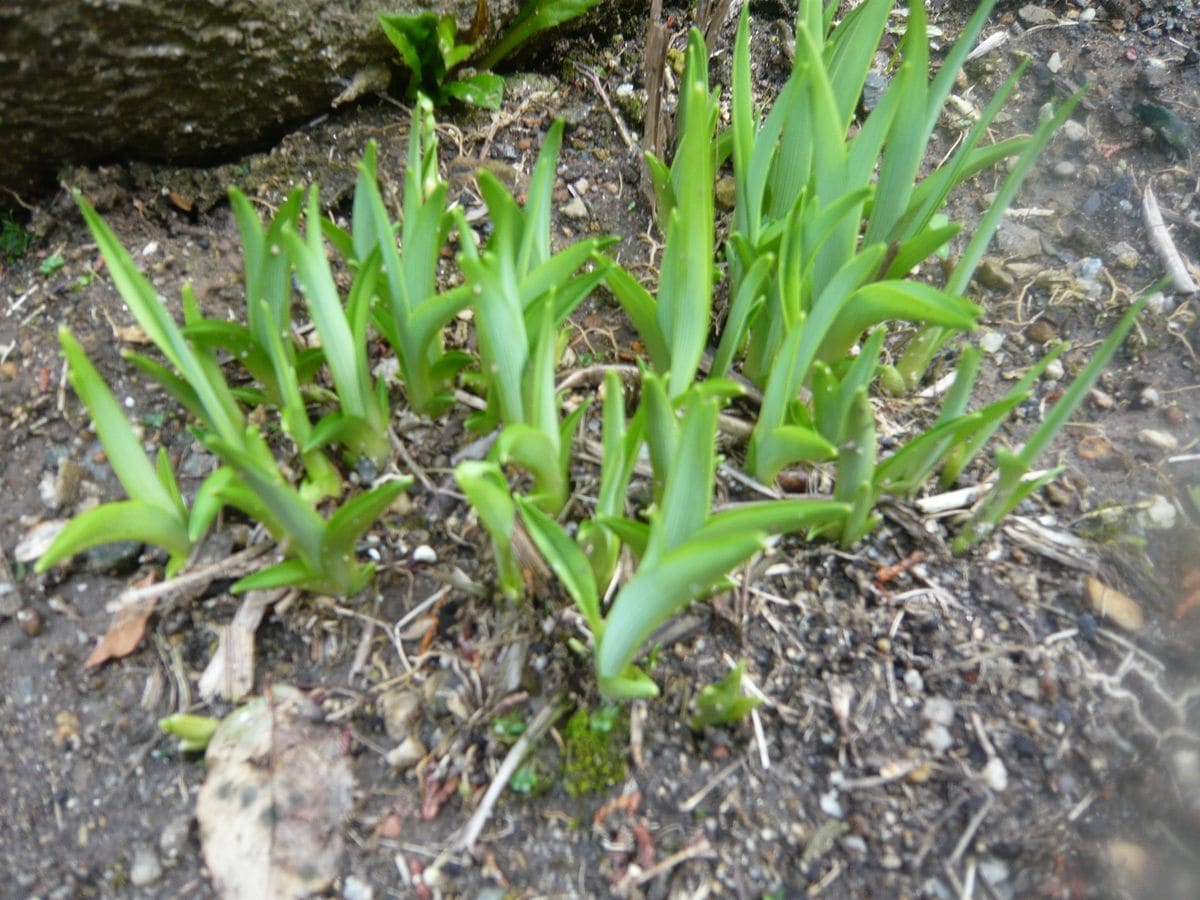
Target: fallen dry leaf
(272, 806)
(125, 632)
(1113, 605)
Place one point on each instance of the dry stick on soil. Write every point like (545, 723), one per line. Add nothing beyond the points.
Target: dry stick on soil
(594, 375)
(541, 723)
(655, 129)
(231, 566)
(968, 835)
(1160, 239)
(700, 849)
(697, 798)
(230, 672)
(626, 139)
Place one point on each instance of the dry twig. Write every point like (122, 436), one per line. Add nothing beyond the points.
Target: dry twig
(1164, 246)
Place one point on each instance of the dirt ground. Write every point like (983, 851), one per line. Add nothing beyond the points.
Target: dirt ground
(933, 725)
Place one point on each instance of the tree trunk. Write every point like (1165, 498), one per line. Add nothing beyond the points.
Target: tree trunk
(91, 81)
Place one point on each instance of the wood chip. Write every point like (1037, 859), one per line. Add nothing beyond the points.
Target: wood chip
(1113, 605)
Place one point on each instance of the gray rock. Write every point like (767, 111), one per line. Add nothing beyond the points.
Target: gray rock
(1017, 241)
(118, 557)
(1124, 255)
(1032, 14)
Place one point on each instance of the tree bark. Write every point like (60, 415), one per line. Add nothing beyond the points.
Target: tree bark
(199, 81)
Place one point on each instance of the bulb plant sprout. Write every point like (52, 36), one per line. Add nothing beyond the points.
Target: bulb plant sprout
(319, 552)
(684, 552)
(673, 324)
(832, 215)
(413, 314)
(264, 345)
(155, 512)
(521, 294)
(361, 420)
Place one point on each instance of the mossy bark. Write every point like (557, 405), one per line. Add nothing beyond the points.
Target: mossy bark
(89, 81)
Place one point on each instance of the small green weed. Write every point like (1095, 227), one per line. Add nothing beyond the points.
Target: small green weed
(722, 702)
(51, 264)
(14, 238)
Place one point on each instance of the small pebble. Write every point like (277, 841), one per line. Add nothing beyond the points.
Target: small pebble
(1159, 440)
(424, 554)
(855, 844)
(1160, 515)
(1041, 331)
(1074, 131)
(1065, 169)
(1125, 255)
(354, 888)
(30, 621)
(400, 708)
(995, 775)
(174, 838)
(1159, 304)
(995, 870)
(1054, 370)
(938, 738)
(407, 754)
(1150, 398)
(830, 805)
(991, 342)
(145, 868)
(938, 710)
(1101, 400)
(576, 209)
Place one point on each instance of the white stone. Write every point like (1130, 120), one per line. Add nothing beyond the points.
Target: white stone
(991, 342)
(830, 805)
(354, 888)
(995, 775)
(938, 738)
(939, 710)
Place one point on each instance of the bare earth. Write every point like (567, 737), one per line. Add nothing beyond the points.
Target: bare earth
(934, 725)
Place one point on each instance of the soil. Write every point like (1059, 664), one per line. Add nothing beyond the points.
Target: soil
(933, 725)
